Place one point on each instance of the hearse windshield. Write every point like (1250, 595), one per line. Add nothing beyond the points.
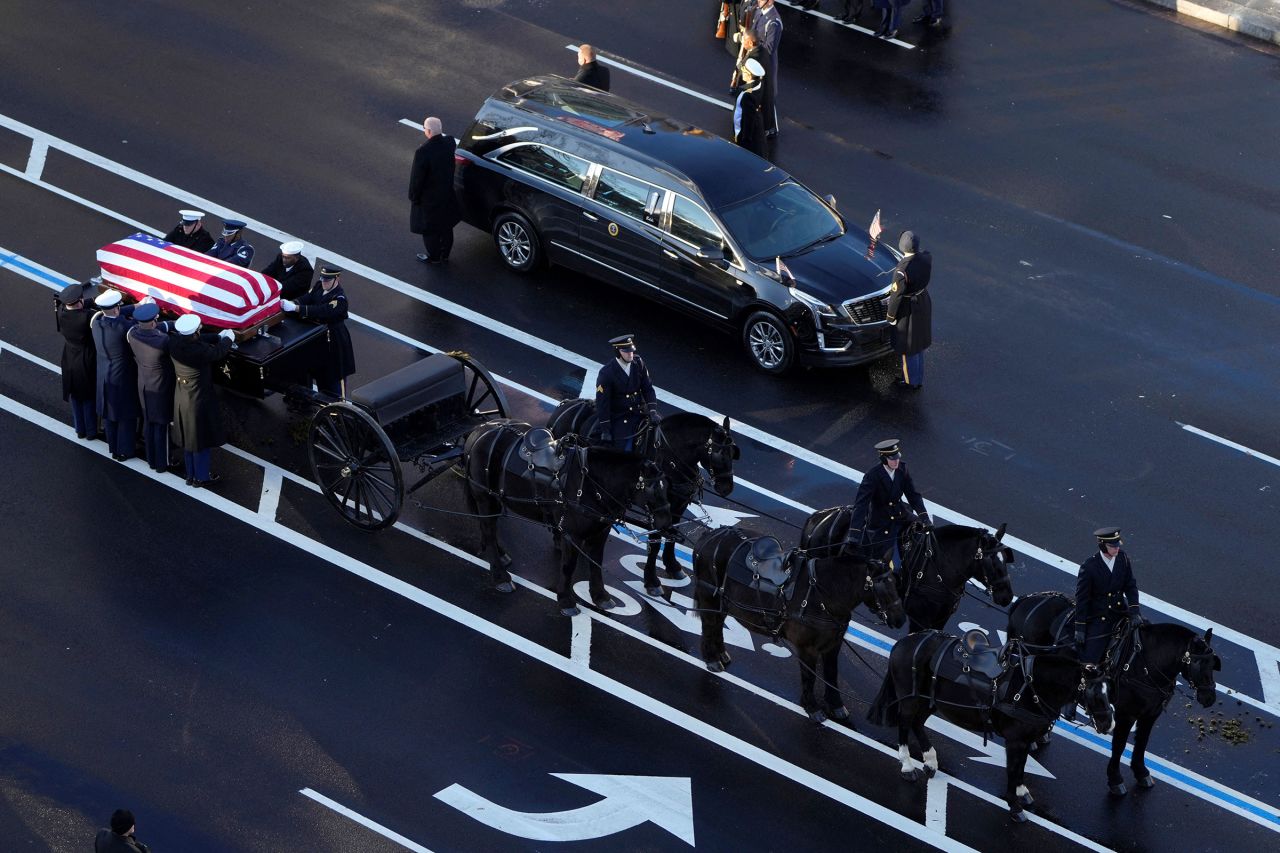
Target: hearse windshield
(783, 220)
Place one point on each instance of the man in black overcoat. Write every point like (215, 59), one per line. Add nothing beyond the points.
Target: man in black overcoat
(149, 340)
(1106, 593)
(327, 303)
(435, 208)
(197, 414)
(293, 271)
(624, 396)
(117, 374)
(910, 311)
(590, 71)
(190, 233)
(79, 360)
(883, 506)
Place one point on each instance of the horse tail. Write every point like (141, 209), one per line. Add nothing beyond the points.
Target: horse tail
(884, 708)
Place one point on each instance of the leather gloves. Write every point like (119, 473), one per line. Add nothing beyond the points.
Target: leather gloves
(1135, 618)
(654, 416)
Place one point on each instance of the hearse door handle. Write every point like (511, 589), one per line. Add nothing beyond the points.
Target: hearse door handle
(590, 216)
(670, 254)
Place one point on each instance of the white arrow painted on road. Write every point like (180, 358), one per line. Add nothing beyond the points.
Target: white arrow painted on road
(718, 516)
(628, 801)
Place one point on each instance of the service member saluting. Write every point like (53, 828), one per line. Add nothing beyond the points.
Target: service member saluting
(79, 360)
(197, 414)
(326, 303)
(884, 502)
(1104, 585)
(624, 395)
(189, 232)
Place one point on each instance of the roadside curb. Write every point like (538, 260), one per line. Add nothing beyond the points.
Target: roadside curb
(1259, 19)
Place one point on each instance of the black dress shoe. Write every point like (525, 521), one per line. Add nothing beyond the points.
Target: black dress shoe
(191, 481)
(890, 36)
(935, 23)
(118, 457)
(902, 383)
(920, 19)
(423, 258)
(213, 478)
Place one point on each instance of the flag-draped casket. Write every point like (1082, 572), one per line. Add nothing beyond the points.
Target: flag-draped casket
(224, 295)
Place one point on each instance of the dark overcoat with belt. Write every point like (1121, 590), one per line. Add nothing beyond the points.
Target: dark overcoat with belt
(331, 309)
(117, 374)
(79, 354)
(1103, 596)
(883, 502)
(623, 398)
(434, 203)
(197, 413)
(199, 240)
(294, 281)
(156, 379)
(910, 306)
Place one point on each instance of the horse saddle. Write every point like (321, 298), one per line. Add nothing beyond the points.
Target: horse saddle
(761, 565)
(543, 454)
(972, 665)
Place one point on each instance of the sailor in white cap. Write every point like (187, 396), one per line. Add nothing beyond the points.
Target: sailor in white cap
(117, 374)
(197, 416)
(190, 233)
(748, 112)
(291, 269)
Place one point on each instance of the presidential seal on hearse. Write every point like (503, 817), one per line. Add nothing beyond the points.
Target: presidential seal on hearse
(566, 174)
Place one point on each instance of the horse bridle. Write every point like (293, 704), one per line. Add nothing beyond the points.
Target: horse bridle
(885, 576)
(980, 557)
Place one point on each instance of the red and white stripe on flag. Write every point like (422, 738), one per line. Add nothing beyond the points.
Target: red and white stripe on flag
(222, 294)
(875, 228)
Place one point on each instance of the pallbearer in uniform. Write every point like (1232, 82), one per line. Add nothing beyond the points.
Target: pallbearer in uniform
(197, 413)
(291, 269)
(624, 395)
(149, 341)
(117, 374)
(910, 311)
(231, 247)
(190, 233)
(79, 360)
(884, 504)
(326, 303)
(1105, 592)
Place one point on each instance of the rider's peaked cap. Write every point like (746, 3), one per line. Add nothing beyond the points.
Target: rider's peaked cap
(623, 342)
(1108, 536)
(888, 449)
(329, 272)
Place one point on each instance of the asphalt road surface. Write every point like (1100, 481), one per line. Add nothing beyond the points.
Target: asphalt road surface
(1096, 185)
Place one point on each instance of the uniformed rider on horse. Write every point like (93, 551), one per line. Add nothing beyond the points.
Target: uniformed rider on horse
(1105, 592)
(624, 396)
(884, 504)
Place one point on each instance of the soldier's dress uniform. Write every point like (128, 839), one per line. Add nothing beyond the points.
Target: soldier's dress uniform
(910, 310)
(79, 361)
(623, 397)
(117, 376)
(229, 247)
(1103, 597)
(198, 240)
(766, 26)
(156, 382)
(197, 414)
(295, 280)
(330, 308)
(884, 503)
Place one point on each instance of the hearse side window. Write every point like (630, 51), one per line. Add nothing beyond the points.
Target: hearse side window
(560, 168)
(692, 224)
(628, 196)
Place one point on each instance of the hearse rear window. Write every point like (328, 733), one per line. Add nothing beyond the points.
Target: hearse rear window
(560, 168)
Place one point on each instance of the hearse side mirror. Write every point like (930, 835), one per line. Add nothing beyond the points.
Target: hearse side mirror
(712, 254)
(831, 200)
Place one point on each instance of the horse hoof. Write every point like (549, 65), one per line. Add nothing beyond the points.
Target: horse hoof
(930, 772)
(673, 574)
(507, 586)
(715, 666)
(839, 713)
(653, 591)
(1044, 739)
(1018, 816)
(505, 559)
(1026, 800)
(569, 611)
(606, 603)
(1117, 790)
(725, 658)
(1146, 782)
(912, 775)
(818, 717)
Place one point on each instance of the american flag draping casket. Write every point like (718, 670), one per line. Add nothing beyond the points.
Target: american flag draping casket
(224, 295)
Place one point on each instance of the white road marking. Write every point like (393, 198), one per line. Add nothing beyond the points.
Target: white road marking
(58, 191)
(815, 13)
(35, 162)
(580, 640)
(363, 821)
(269, 499)
(624, 66)
(935, 804)
(1226, 442)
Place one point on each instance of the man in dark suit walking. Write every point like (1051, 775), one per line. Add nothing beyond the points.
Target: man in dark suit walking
(910, 311)
(884, 503)
(1104, 585)
(435, 206)
(624, 396)
(591, 71)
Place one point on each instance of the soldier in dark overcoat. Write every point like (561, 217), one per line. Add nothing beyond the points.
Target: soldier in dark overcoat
(884, 503)
(117, 374)
(293, 271)
(149, 340)
(197, 414)
(79, 360)
(624, 396)
(910, 311)
(1106, 592)
(435, 208)
(327, 303)
(189, 232)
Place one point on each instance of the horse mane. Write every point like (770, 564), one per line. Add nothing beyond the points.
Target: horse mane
(949, 533)
(686, 420)
(1160, 630)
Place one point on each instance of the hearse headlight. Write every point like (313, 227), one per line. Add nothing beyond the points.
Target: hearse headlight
(815, 304)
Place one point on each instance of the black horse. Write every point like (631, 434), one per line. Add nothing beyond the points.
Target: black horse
(1141, 670)
(679, 445)
(1011, 693)
(579, 492)
(938, 562)
(806, 595)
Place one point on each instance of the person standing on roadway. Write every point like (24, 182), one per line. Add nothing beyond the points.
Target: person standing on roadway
(291, 269)
(79, 360)
(119, 838)
(327, 303)
(189, 232)
(624, 395)
(910, 310)
(766, 26)
(591, 72)
(149, 341)
(197, 413)
(117, 374)
(748, 112)
(434, 209)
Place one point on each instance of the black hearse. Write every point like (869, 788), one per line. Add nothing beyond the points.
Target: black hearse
(567, 174)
